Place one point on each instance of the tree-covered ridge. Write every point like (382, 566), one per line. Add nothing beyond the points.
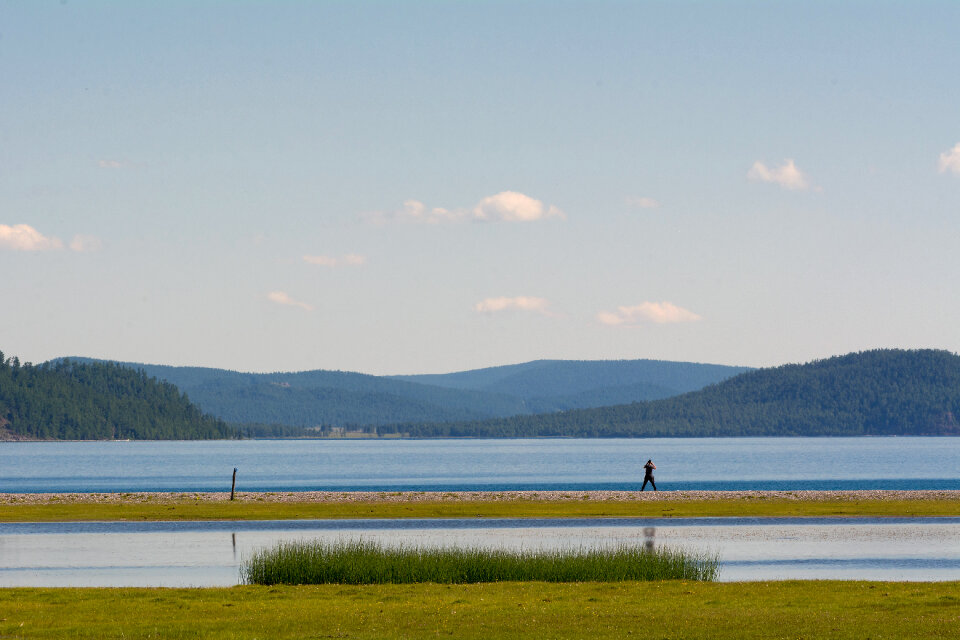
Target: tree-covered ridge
(881, 392)
(324, 398)
(93, 401)
(563, 379)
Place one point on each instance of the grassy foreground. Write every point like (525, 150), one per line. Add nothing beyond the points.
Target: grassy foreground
(671, 609)
(185, 508)
(366, 562)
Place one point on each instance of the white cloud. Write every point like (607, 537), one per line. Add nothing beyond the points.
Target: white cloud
(322, 261)
(511, 206)
(506, 206)
(280, 297)
(658, 312)
(85, 243)
(786, 175)
(611, 318)
(416, 211)
(110, 164)
(950, 160)
(350, 260)
(643, 202)
(23, 237)
(522, 303)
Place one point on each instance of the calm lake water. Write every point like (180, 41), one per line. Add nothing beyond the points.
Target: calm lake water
(199, 554)
(447, 465)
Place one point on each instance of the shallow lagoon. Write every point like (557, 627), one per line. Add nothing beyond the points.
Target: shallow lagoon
(210, 553)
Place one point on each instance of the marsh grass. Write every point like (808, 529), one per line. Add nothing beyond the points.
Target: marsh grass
(365, 562)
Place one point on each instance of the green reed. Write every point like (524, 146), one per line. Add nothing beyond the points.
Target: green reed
(364, 562)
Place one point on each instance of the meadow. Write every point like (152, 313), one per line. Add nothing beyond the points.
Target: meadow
(659, 610)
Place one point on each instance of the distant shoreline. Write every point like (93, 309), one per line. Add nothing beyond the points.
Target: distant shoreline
(328, 497)
(393, 437)
(335, 505)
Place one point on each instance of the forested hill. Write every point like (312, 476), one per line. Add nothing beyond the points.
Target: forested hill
(94, 401)
(342, 398)
(554, 385)
(881, 392)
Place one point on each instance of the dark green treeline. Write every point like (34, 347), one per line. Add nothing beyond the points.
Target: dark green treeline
(881, 392)
(72, 401)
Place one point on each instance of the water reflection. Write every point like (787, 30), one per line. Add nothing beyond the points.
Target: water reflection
(198, 554)
(648, 535)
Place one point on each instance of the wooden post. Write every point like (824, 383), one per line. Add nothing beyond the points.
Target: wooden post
(234, 485)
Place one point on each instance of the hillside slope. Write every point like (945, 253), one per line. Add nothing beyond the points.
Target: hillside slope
(881, 392)
(339, 398)
(563, 379)
(92, 401)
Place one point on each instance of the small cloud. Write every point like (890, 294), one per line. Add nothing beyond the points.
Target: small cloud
(417, 212)
(657, 312)
(506, 206)
(786, 175)
(280, 297)
(610, 318)
(85, 244)
(950, 160)
(321, 261)
(521, 303)
(511, 206)
(23, 237)
(643, 203)
(350, 260)
(110, 164)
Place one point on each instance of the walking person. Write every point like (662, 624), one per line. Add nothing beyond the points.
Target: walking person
(648, 475)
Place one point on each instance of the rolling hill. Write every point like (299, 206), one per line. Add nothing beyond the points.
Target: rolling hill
(340, 399)
(880, 392)
(555, 385)
(95, 401)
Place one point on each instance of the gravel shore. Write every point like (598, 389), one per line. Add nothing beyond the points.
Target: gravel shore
(470, 496)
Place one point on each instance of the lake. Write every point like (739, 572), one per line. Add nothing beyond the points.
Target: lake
(509, 464)
(201, 554)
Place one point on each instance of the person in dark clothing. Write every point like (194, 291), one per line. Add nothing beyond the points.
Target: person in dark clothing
(648, 475)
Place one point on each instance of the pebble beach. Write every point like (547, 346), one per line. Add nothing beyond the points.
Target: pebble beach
(472, 496)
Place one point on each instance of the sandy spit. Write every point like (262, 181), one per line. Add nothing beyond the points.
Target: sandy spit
(470, 496)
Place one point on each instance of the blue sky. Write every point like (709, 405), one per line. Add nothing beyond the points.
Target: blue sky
(409, 187)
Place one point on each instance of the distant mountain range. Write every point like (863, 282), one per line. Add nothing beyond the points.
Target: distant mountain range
(881, 392)
(345, 399)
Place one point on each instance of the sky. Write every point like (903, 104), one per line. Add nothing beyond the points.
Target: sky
(424, 187)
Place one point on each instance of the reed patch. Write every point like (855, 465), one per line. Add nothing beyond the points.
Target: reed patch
(366, 562)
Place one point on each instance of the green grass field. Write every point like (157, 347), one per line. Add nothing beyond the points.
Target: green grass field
(252, 509)
(670, 609)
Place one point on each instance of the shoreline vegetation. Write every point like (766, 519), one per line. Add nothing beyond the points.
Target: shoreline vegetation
(367, 562)
(52, 507)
